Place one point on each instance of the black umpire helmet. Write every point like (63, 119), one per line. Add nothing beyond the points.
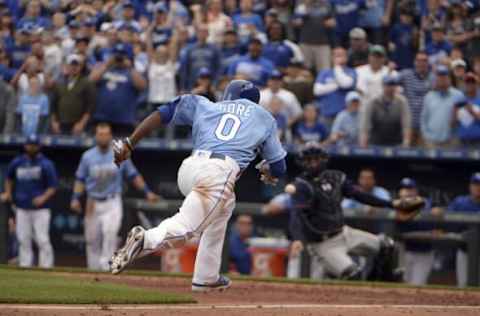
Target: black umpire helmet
(313, 158)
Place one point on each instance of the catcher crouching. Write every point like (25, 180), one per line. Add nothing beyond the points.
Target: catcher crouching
(318, 222)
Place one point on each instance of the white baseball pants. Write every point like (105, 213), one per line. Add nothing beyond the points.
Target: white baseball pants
(462, 268)
(34, 225)
(418, 266)
(208, 186)
(335, 252)
(101, 232)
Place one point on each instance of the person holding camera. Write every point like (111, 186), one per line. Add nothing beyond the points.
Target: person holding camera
(118, 86)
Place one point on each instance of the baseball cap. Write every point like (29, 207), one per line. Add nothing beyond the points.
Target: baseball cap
(272, 12)
(275, 74)
(408, 183)
(89, 22)
(106, 26)
(74, 24)
(458, 63)
(32, 139)
(127, 4)
(377, 50)
(352, 96)
(475, 178)
(255, 40)
(442, 70)
(391, 79)
(74, 59)
(358, 33)
(204, 72)
(120, 48)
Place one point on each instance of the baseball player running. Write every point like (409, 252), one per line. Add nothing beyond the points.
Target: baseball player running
(319, 223)
(30, 184)
(226, 138)
(100, 178)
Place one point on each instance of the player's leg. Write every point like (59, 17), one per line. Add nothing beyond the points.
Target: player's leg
(361, 243)
(209, 255)
(462, 268)
(334, 254)
(24, 235)
(93, 239)
(110, 219)
(418, 267)
(41, 229)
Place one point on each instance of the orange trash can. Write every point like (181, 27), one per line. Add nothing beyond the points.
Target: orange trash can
(179, 259)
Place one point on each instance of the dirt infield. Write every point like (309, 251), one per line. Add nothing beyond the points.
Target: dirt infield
(265, 298)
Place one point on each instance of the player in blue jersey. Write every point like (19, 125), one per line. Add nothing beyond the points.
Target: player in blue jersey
(102, 181)
(226, 137)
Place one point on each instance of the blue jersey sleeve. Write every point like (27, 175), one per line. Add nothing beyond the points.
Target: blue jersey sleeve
(12, 167)
(272, 150)
(129, 170)
(82, 171)
(185, 110)
(50, 174)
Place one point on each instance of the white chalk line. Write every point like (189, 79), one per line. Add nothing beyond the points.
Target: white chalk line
(236, 307)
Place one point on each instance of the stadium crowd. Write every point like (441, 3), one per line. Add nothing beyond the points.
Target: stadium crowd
(349, 72)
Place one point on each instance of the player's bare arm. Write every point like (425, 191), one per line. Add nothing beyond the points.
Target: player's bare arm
(78, 190)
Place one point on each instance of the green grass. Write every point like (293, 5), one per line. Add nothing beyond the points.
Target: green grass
(41, 287)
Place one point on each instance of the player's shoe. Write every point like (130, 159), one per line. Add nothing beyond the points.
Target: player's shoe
(125, 255)
(222, 284)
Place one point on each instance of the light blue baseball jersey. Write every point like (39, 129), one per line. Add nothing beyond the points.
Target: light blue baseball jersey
(102, 178)
(236, 128)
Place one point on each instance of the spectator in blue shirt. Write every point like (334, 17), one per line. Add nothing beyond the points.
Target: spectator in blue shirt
(32, 17)
(128, 17)
(439, 48)
(332, 85)
(247, 23)
(231, 50)
(199, 55)
(277, 49)
(310, 129)
(33, 109)
(118, 86)
(375, 19)
(240, 257)
(160, 29)
(30, 184)
(345, 126)
(403, 36)
(466, 204)
(20, 49)
(253, 66)
(467, 113)
(347, 16)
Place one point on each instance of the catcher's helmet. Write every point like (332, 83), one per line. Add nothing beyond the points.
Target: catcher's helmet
(241, 89)
(313, 158)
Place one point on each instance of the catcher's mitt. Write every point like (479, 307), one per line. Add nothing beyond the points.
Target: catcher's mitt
(408, 208)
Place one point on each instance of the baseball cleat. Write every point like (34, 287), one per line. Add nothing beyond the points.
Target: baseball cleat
(222, 284)
(125, 255)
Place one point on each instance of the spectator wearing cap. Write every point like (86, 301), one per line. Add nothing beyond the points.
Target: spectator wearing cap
(118, 86)
(216, 20)
(247, 23)
(20, 49)
(437, 114)
(458, 70)
(160, 30)
(204, 85)
(33, 109)
(8, 103)
(466, 204)
(299, 81)
(332, 85)
(375, 19)
(315, 22)
(309, 128)
(404, 40)
(467, 113)
(278, 49)
(347, 16)
(291, 106)
(370, 76)
(32, 16)
(416, 83)
(418, 256)
(359, 48)
(230, 50)
(252, 66)
(386, 119)
(73, 99)
(345, 126)
(439, 47)
(196, 56)
(128, 17)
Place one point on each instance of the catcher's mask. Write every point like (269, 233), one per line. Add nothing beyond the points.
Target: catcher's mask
(313, 158)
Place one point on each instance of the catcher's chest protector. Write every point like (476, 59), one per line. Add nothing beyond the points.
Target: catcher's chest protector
(325, 213)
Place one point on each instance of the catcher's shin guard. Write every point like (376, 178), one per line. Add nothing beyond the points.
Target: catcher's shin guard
(384, 262)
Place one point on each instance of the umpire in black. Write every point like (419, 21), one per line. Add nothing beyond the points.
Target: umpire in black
(319, 221)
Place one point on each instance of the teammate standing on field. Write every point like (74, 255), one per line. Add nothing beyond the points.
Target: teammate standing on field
(100, 178)
(30, 184)
(226, 137)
